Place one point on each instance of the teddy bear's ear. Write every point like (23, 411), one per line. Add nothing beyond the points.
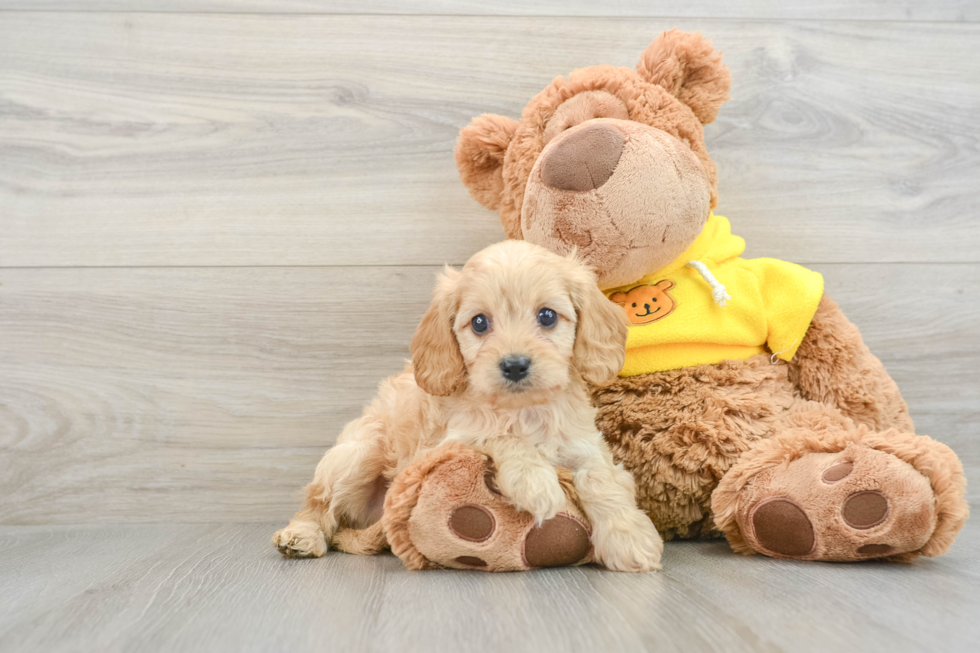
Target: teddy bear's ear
(687, 66)
(618, 298)
(480, 152)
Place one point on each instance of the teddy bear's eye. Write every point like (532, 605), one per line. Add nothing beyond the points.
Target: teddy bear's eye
(654, 299)
(634, 304)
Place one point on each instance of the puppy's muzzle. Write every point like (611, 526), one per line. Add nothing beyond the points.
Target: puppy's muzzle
(515, 368)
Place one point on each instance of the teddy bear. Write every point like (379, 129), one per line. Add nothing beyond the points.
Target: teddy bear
(749, 407)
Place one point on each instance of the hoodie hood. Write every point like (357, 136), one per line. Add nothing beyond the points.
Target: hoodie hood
(715, 245)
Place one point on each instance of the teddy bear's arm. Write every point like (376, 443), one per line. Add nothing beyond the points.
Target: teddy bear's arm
(834, 366)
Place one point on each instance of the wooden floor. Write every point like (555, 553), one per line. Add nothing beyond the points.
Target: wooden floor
(218, 587)
(198, 196)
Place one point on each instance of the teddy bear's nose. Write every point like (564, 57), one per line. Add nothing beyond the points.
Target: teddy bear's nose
(584, 159)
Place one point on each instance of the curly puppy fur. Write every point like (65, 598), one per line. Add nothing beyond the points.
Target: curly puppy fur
(458, 389)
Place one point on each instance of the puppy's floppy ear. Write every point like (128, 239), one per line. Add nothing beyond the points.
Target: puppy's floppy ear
(600, 338)
(438, 363)
(480, 152)
(687, 66)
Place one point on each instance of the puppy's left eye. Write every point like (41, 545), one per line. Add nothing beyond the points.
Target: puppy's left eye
(547, 318)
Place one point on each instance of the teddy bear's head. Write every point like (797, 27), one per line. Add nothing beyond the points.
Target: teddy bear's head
(610, 161)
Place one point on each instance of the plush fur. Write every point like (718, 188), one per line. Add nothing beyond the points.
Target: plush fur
(709, 445)
(425, 499)
(496, 157)
(456, 391)
(922, 480)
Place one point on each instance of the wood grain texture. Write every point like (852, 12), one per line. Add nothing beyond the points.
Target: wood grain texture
(903, 10)
(209, 394)
(174, 139)
(216, 588)
(152, 374)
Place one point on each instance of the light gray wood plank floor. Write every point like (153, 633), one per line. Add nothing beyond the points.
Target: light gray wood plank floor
(222, 587)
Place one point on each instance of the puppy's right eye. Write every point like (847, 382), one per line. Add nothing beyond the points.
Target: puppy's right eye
(480, 324)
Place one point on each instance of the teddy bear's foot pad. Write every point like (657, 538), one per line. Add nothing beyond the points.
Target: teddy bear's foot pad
(856, 504)
(459, 520)
(559, 542)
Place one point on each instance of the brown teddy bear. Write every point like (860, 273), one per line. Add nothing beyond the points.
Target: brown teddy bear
(749, 405)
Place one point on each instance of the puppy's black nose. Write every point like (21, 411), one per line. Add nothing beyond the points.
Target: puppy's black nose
(514, 368)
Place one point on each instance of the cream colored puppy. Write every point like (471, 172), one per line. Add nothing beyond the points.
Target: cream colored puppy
(500, 362)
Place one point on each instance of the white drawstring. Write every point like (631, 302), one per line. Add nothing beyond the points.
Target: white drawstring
(718, 291)
(775, 357)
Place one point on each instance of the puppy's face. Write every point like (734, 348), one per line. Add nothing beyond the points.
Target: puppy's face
(515, 326)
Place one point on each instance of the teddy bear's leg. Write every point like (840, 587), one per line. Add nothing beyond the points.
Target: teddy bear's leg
(445, 510)
(826, 489)
(834, 366)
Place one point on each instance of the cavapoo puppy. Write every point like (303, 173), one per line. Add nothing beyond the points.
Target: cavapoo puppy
(500, 362)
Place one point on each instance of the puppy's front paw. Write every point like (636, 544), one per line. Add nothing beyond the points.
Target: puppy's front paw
(630, 545)
(301, 540)
(537, 492)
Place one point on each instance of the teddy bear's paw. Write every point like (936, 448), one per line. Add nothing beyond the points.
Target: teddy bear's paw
(560, 542)
(635, 546)
(857, 504)
(300, 540)
(461, 519)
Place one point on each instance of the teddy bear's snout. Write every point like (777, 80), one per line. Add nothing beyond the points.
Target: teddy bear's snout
(583, 159)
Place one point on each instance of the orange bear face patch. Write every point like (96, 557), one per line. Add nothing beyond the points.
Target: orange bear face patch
(646, 304)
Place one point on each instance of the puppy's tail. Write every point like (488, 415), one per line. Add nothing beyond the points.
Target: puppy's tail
(361, 541)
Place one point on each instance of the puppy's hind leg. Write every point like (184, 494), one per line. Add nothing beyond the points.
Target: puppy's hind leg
(341, 490)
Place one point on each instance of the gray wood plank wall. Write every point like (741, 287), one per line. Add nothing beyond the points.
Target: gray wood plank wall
(934, 10)
(173, 139)
(194, 207)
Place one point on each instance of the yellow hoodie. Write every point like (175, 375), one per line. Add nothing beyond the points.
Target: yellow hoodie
(711, 305)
